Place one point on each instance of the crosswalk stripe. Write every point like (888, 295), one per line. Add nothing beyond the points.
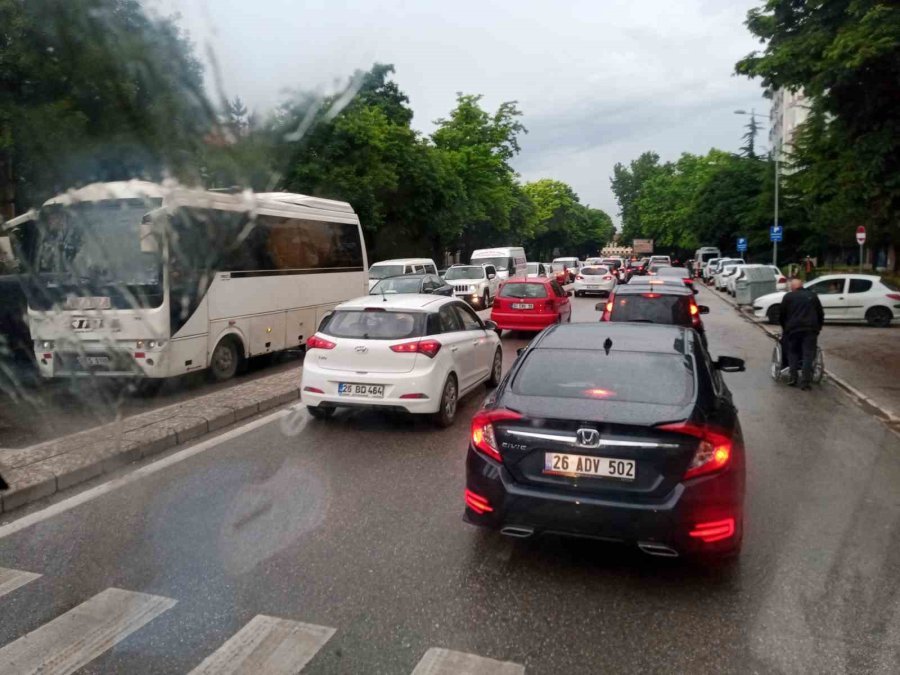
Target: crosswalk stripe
(10, 580)
(77, 637)
(267, 645)
(439, 661)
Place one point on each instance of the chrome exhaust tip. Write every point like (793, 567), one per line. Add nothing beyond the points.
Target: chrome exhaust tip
(661, 550)
(517, 532)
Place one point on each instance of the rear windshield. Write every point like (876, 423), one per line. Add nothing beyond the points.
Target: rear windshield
(375, 324)
(618, 376)
(672, 272)
(612, 263)
(523, 291)
(594, 271)
(652, 308)
(397, 285)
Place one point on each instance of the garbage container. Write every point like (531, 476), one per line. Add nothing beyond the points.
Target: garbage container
(754, 283)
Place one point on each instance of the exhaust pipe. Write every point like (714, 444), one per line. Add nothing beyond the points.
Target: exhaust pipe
(661, 550)
(516, 531)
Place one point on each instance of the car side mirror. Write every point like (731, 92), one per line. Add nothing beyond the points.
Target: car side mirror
(520, 351)
(489, 325)
(730, 364)
(492, 276)
(703, 309)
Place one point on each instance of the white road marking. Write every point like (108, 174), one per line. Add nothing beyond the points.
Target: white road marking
(79, 636)
(10, 580)
(133, 476)
(439, 661)
(267, 645)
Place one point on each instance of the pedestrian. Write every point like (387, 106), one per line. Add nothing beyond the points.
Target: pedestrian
(809, 267)
(801, 319)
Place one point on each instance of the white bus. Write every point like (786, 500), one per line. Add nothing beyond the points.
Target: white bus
(148, 280)
(509, 261)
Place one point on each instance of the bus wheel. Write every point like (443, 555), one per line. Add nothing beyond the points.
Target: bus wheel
(225, 360)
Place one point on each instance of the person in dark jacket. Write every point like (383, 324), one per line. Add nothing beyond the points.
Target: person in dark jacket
(802, 317)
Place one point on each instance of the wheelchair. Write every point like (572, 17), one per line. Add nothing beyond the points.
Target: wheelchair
(781, 372)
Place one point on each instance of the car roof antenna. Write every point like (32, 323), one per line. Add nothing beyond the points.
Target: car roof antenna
(383, 296)
(607, 345)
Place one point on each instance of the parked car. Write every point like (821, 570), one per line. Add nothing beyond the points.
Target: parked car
(595, 279)
(572, 265)
(575, 442)
(415, 353)
(844, 297)
(394, 268)
(531, 305)
(720, 265)
(538, 270)
(721, 277)
(665, 303)
(476, 284)
(414, 283)
(706, 270)
(702, 256)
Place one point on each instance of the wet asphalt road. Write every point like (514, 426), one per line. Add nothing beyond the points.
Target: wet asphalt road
(354, 524)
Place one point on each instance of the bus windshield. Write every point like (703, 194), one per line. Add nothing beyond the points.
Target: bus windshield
(97, 244)
(500, 263)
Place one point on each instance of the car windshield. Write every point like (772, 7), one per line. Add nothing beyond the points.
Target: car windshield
(516, 290)
(397, 285)
(500, 263)
(652, 307)
(374, 324)
(594, 271)
(383, 271)
(617, 376)
(466, 272)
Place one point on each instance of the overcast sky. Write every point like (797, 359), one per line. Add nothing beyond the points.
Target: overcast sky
(599, 81)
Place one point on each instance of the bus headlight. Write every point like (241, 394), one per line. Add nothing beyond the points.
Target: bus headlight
(46, 345)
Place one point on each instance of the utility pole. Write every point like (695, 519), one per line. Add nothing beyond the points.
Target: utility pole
(777, 180)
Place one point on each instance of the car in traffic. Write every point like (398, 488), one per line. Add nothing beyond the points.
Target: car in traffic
(850, 298)
(702, 256)
(531, 305)
(682, 273)
(415, 353)
(393, 268)
(413, 283)
(538, 270)
(617, 267)
(476, 284)
(669, 302)
(575, 442)
(660, 260)
(507, 261)
(572, 265)
(561, 273)
(594, 279)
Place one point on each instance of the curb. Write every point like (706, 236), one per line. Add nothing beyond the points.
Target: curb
(866, 402)
(44, 469)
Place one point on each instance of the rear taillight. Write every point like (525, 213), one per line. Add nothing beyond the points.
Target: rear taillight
(893, 296)
(650, 295)
(715, 530)
(712, 454)
(483, 430)
(783, 280)
(429, 348)
(607, 277)
(579, 277)
(695, 314)
(477, 503)
(315, 342)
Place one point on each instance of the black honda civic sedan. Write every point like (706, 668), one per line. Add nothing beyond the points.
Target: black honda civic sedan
(619, 432)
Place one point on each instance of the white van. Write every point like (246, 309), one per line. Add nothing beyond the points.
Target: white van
(509, 261)
(396, 268)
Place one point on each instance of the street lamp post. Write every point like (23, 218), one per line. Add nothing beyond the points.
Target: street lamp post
(777, 153)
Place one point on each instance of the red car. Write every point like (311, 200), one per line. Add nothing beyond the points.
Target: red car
(531, 305)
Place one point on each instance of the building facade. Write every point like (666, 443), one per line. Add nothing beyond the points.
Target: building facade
(789, 111)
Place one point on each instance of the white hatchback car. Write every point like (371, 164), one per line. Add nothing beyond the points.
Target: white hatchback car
(418, 353)
(844, 297)
(597, 279)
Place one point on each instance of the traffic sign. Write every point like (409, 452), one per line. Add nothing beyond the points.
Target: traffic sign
(741, 244)
(860, 235)
(776, 232)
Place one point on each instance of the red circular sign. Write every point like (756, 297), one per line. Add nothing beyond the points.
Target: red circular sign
(860, 235)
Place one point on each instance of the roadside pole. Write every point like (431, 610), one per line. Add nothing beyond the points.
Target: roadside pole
(861, 240)
(775, 222)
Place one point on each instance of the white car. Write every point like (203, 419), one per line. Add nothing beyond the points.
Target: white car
(595, 279)
(844, 297)
(395, 268)
(590, 262)
(476, 284)
(415, 353)
(538, 270)
(721, 278)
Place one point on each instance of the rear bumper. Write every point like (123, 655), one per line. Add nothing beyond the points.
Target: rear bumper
(604, 287)
(668, 521)
(523, 321)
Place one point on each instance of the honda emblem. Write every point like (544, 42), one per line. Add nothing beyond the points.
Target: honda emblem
(588, 438)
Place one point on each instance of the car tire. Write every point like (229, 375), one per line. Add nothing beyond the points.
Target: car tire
(773, 314)
(225, 359)
(879, 317)
(578, 294)
(496, 369)
(449, 403)
(320, 413)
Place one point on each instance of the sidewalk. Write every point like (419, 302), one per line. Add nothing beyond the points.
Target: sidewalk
(860, 359)
(43, 469)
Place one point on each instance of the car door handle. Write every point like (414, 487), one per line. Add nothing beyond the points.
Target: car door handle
(454, 349)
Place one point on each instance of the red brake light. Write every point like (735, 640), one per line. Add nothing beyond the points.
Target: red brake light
(579, 277)
(783, 280)
(650, 295)
(315, 342)
(607, 277)
(483, 430)
(314, 390)
(712, 454)
(694, 309)
(477, 503)
(429, 348)
(894, 296)
(714, 530)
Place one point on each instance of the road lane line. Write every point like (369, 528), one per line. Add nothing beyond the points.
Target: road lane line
(439, 661)
(79, 636)
(10, 580)
(267, 645)
(135, 475)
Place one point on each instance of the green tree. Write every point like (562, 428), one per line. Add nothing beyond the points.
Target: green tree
(626, 183)
(562, 224)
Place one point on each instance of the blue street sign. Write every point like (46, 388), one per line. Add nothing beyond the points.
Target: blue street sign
(776, 232)
(741, 244)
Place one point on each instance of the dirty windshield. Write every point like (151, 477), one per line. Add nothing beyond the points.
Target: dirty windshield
(281, 389)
